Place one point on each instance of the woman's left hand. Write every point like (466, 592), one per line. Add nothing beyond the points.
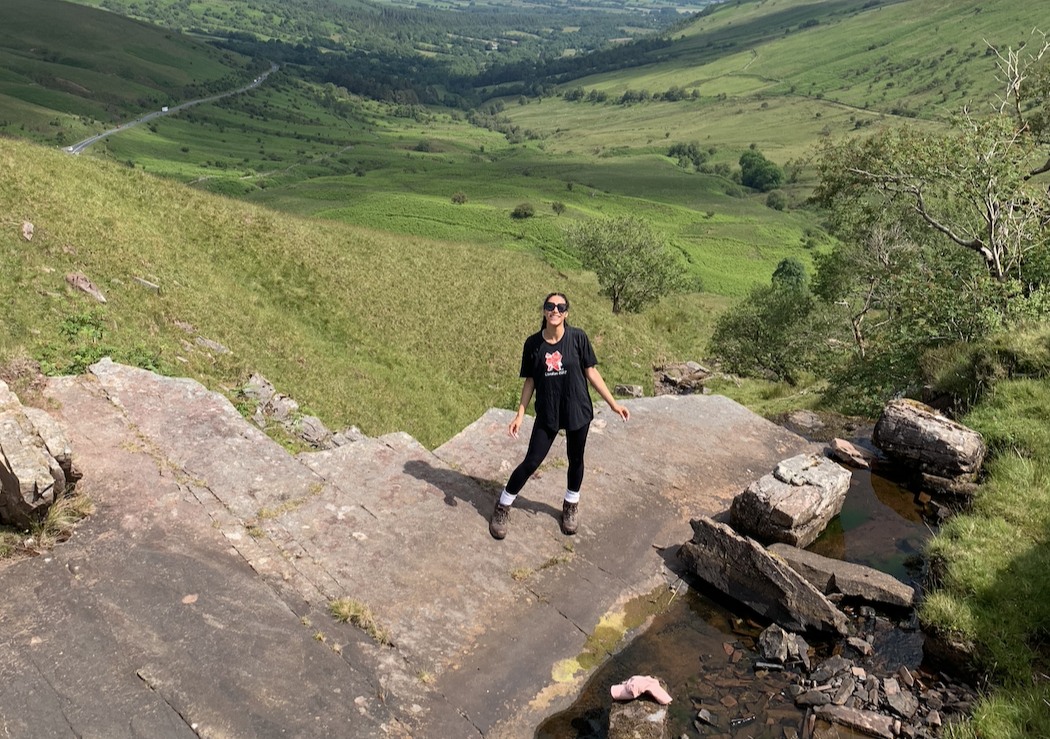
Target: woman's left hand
(620, 411)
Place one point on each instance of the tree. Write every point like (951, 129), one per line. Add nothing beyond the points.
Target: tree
(634, 266)
(758, 172)
(974, 185)
(523, 210)
(558, 207)
(790, 274)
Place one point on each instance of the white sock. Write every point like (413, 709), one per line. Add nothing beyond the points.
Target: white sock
(506, 498)
(572, 497)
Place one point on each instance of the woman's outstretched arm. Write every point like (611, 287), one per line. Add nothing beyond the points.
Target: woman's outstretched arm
(595, 378)
(526, 395)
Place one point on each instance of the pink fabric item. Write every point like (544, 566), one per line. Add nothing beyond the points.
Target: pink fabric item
(637, 685)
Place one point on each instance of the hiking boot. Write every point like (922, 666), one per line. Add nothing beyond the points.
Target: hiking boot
(570, 518)
(498, 522)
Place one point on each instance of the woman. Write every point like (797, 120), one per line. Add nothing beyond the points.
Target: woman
(557, 363)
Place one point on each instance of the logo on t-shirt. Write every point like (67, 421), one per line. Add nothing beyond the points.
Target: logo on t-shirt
(554, 362)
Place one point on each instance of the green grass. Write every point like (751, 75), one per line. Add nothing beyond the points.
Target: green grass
(388, 332)
(349, 610)
(995, 558)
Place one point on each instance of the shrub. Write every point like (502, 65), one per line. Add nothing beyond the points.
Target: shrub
(776, 200)
(459, 198)
(523, 210)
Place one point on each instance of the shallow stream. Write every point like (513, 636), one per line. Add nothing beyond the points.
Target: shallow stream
(703, 647)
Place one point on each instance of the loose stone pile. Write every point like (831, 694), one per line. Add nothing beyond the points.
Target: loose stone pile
(272, 407)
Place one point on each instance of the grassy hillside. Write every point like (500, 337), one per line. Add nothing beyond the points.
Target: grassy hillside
(65, 70)
(387, 332)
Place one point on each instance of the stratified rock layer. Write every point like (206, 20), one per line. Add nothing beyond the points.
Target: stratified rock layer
(917, 436)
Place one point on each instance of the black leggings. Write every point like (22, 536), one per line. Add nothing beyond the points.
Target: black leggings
(539, 444)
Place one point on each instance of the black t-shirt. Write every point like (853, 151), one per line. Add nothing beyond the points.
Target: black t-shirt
(562, 400)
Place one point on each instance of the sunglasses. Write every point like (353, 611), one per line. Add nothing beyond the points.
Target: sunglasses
(560, 307)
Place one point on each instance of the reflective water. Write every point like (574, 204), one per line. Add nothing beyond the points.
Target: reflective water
(703, 649)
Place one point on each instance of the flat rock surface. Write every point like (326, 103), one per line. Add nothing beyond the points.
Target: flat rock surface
(197, 593)
(832, 575)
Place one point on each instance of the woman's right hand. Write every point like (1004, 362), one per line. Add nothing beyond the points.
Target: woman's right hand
(515, 425)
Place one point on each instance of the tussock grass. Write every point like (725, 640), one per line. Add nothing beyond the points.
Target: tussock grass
(348, 610)
(56, 527)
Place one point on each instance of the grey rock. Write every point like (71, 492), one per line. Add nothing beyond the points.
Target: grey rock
(806, 421)
(348, 436)
(856, 581)
(743, 569)
(259, 389)
(903, 702)
(211, 345)
(638, 719)
(147, 284)
(916, 435)
(315, 433)
(80, 281)
(705, 716)
(281, 408)
(865, 722)
(933, 718)
(793, 504)
(907, 679)
(27, 230)
(861, 646)
(631, 391)
(890, 686)
(30, 477)
(844, 691)
(813, 698)
(830, 667)
(851, 454)
(773, 644)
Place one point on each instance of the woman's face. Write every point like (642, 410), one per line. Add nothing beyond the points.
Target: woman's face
(550, 310)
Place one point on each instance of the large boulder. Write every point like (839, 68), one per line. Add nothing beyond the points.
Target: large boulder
(917, 436)
(835, 576)
(742, 569)
(794, 504)
(36, 461)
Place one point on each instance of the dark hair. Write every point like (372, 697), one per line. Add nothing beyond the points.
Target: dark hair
(544, 324)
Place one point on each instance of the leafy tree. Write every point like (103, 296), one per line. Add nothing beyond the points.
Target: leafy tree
(634, 266)
(974, 185)
(690, 153)
(790, 274)
(759, 173)
(558, 207)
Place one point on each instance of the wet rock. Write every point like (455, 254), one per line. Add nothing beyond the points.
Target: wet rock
(80, 281)
(861, 646)
(851, 454)
(829, 668)
(638, 719)
(742, 569)
(704, 716)
(853, 580)
(813, 698)
(865, 722)
(949, 651)
(917, 436)
(949, 487)
(793, 504)
(630, 391)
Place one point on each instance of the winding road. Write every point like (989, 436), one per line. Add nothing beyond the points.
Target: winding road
(81, 146)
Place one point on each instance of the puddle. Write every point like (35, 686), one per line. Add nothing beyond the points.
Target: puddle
(702, 647)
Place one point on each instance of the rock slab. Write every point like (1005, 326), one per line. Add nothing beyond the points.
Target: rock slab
(744, 570)
(865, 722)
(918, 436)
(794, 504)
(638, 719)
(835, 576)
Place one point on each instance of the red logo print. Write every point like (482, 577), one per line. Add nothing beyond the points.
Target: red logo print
(554, 362)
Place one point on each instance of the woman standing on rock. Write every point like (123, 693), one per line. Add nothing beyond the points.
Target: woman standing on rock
(557, 363)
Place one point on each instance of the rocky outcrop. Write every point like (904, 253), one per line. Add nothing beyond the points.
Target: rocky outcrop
(853, 580)
(629, 391)
(744, 570)
(36, 461)
(916, 436)
(274, 407)
(793, 504)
